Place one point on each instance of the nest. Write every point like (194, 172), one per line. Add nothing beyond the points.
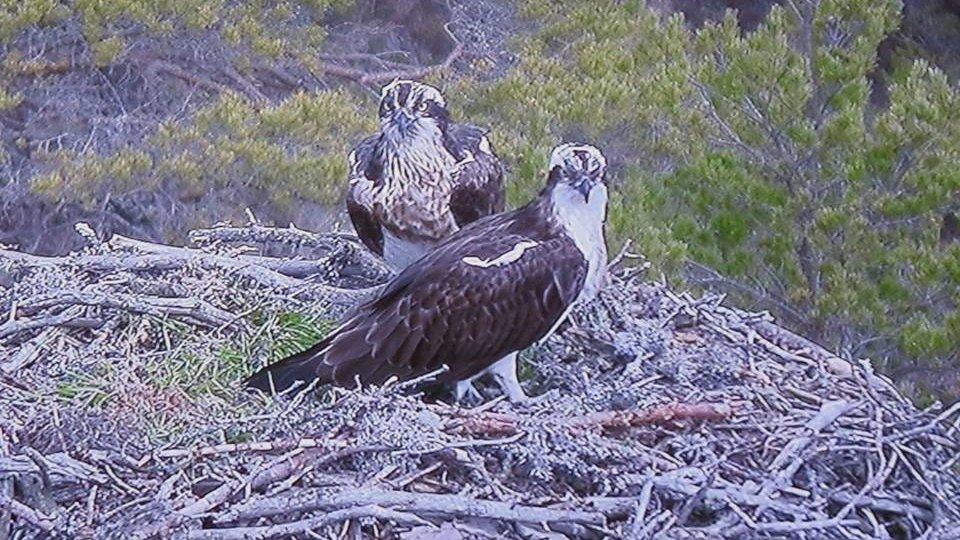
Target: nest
(656, 415)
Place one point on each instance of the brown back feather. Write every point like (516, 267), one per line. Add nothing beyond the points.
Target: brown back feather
(441, 310)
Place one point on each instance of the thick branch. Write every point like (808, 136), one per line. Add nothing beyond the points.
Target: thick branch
(188, 308)
(662, 415)
(275, 471)
(69, 319)
(789, 460)
(305, 525)
(307, 500)
(24, 512)
(671, 414)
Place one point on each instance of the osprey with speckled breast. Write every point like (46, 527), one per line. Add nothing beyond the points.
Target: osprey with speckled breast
(483, 294)
(421, 177)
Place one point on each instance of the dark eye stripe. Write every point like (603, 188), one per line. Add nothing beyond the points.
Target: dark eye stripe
(403, 93)
(406, 95)
(584, 160)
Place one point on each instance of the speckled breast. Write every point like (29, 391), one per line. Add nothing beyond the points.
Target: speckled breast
(417, 210)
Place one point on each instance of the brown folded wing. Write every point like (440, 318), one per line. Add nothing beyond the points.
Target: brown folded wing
(443, 310)
(364, 175)
(478, 178)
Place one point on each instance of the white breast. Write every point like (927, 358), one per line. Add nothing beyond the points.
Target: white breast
(584, 223)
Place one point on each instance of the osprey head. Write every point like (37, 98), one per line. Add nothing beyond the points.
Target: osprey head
(578, 168)
(411, 109)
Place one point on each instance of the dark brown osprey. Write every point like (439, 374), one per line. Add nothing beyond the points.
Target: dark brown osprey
(488, 291)
(421, 177)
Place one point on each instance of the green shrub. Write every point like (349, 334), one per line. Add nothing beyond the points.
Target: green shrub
(265, 27)
(296, 148)
(759, 156)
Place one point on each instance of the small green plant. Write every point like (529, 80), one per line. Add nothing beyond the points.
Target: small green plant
(298, 332)
(94, 388)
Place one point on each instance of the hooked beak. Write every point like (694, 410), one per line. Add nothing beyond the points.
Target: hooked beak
(403, 121)
(584, 184)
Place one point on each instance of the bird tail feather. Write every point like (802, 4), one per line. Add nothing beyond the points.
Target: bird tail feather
(303, 366)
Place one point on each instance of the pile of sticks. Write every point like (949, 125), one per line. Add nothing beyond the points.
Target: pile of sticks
(656, 414)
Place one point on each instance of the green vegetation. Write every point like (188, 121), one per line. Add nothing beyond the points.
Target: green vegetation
(268, 28)
(293, 149)
(296, 333)
(759, 156)
(201, 374)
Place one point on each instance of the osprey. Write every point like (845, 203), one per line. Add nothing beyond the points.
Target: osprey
(420, 178)
(488, 291)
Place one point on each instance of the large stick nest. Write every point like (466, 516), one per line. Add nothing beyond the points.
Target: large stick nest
(658, 415)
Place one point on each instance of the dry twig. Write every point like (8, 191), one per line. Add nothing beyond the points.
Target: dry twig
(656, 405)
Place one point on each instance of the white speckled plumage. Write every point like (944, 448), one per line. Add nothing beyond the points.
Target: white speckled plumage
(420, 164)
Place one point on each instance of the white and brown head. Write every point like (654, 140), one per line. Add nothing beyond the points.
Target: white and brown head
(411, 110)
(576, 193)
(578, 173)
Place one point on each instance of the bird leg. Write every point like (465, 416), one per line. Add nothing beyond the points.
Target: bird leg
(504, 371)
(465, 388)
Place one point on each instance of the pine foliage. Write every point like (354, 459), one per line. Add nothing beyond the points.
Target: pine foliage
(766, 157)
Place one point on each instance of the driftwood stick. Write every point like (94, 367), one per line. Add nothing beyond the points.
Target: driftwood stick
(305, 525)
(281, 274)
(327, 243)
(190, 308)
(650, 526)
(71, 319)
(6, 493)
(160, 261)
(261, 234)
(28, 352)
(671, 414)
(61, 468)
(689, 482)
(640, 513)
(313, 499)
(255, 446)
(883, 505)
(931, 426)
(244, 266)
(247, 269)
(24, 512)
(790, 458)
(275, 471)
(785, 527)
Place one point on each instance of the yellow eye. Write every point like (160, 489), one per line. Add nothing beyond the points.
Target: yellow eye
(423, 106)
